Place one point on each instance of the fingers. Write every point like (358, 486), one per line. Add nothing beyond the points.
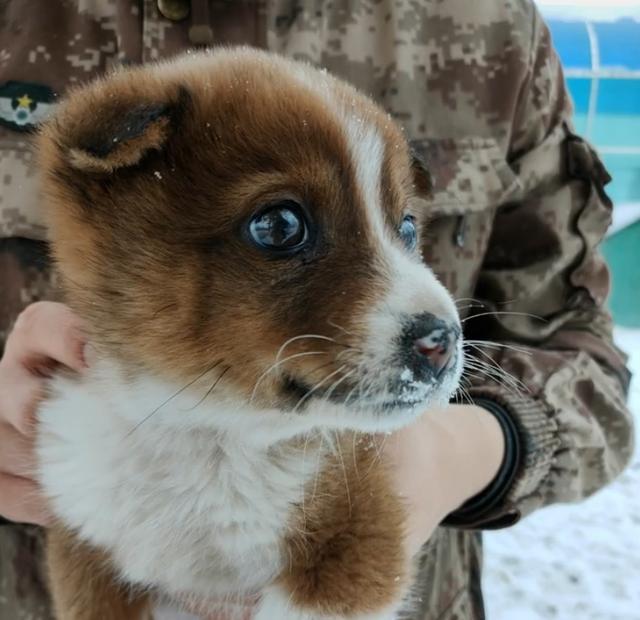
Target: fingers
(44, 336)
(47, 331)
(20, 393)
(17, 456)
(21, 501)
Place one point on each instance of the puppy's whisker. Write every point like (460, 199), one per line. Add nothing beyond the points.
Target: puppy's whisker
(304, 458)
(346, 352)
(301, 337)
(488, 344)
(504, 313)
(342, 329)
(318, 463)
(313, 370)
(471, 299)
(279, 363)
(501, 372)
(379, 448)
(213, 387)
(180, 391)
(333, 387)
(344, 472)
(498, 375)
(465, 395)
(483, 375)
(316, 387)
(516, 382)
(347, 398)
(481, 303)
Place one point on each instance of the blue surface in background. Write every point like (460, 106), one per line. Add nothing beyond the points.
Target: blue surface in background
(619, 44)
(572, 43)
(615, 128)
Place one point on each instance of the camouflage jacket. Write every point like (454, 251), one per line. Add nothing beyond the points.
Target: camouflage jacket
(516, 216)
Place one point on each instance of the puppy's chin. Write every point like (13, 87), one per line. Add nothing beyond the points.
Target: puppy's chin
(392, 401)
(383, 418)
(360, 408)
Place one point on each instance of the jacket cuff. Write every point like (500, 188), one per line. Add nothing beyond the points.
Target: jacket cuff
(531, 440)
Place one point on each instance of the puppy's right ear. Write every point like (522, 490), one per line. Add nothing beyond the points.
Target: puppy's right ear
(105, 129)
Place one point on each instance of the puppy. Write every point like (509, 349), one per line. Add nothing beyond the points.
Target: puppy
(240, 234)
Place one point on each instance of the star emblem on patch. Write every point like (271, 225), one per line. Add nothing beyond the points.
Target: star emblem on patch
(23, 105)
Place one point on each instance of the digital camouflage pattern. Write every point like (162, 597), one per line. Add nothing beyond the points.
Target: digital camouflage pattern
(517, 213)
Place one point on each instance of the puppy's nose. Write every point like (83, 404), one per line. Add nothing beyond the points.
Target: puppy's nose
(437, 349)
(429, 345)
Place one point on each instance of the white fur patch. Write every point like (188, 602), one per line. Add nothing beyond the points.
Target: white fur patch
(367, 151)
(182, 503)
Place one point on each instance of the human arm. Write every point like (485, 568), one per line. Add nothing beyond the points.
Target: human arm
(544, 285)
(439, 462)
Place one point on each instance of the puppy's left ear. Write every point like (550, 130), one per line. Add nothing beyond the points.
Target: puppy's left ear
(422, 177)
(110, 131)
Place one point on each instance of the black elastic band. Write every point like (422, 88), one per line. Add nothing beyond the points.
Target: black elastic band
(473, 510)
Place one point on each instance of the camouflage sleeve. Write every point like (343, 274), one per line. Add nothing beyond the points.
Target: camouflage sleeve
(545, 278)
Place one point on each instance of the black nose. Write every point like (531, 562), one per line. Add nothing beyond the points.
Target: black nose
(429, 345)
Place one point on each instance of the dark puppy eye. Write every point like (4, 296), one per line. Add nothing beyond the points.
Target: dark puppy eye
(281, 227)
(409, 233)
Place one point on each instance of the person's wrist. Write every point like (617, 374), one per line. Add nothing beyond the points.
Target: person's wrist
(447, 456)
(476, 450)
(486, 507)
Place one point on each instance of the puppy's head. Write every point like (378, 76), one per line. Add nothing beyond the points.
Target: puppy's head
(246, 213)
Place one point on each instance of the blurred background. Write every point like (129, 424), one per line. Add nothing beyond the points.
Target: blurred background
(583, 561)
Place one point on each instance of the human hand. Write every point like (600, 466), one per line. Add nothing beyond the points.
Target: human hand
(441, 460)
(45, 336)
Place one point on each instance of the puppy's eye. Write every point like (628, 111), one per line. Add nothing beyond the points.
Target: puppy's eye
(409, 233)
(280, 227)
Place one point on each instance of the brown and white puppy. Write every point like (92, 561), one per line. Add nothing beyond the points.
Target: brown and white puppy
(239, 233)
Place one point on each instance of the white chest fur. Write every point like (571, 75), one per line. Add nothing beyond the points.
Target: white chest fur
(179, 503)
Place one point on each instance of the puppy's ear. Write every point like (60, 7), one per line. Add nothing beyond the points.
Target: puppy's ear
(422, 177)
(116, 130)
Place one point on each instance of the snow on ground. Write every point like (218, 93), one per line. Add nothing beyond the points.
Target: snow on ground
(577, 561)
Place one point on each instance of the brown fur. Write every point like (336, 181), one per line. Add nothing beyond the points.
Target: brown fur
(83, 586)
(163, 278)
(345, 549)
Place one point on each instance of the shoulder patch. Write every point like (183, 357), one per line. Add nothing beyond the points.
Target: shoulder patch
(23, 105)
